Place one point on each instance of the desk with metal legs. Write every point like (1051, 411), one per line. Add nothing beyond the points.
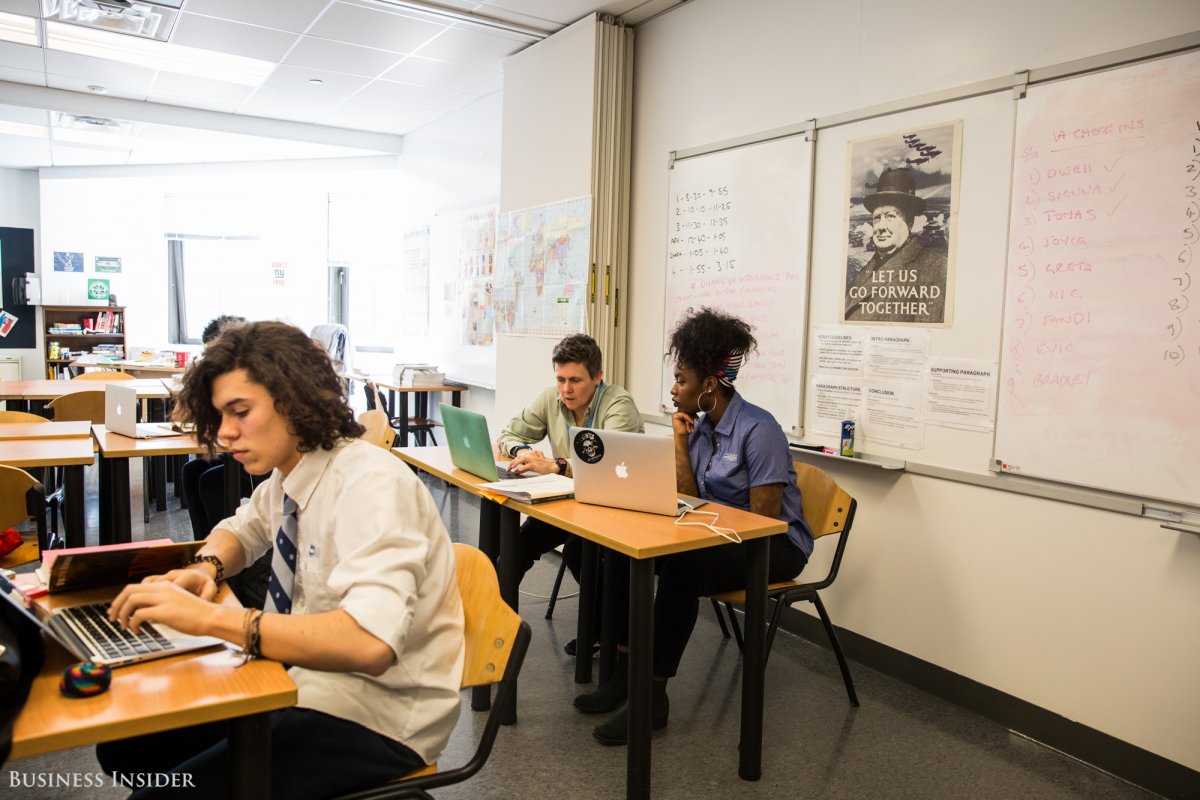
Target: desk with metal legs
(398, 403)
(642, 537)
(73, 454)
(115, 452)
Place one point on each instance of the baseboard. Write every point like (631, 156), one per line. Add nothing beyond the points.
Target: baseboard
(1105, 752)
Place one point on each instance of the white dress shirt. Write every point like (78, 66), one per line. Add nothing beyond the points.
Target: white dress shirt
(372, 544)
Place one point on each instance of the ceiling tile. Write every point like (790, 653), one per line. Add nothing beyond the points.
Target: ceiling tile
(129, 90)
(469, 45)
(282, 104)
(285, 15)
(69, 155)
(399, 33)
(441, 74)
(381, 117)
(406, 94)
(29, 76)
(21, 56)
(297, 80)
(30, 116)
(338, 57)
(562, 12)
(192, 101)
(250, 41)
(208, 94)
(22, 152)
(123, 80)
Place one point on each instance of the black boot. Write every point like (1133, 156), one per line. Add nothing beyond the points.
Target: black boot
(610, 694)
(616, 730)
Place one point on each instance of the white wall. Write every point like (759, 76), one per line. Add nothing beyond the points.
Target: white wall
(19, 209)
(1089, 614)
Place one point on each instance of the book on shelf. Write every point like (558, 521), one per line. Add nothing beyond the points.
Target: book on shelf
(541, 489)
(103, 321)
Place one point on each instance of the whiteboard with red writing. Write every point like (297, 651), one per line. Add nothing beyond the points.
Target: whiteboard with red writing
(1100, 366)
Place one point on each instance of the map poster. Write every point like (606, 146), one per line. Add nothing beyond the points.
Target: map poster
(542, 268)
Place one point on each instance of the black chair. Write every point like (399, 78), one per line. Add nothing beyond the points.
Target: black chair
(827, 509)
(497, 639)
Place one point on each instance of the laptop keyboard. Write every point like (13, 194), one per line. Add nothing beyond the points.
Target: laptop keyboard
(108, 638)
(506, 474)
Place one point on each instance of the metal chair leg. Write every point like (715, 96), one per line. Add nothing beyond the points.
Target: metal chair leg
(562, 567)
(837, 650)
(737, 629)
(720, 617)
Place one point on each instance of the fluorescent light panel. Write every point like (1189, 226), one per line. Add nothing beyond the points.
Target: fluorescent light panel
(18, 29)
(157, 55)
(22, 129)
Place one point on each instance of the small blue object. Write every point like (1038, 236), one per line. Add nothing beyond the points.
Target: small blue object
(85, 680)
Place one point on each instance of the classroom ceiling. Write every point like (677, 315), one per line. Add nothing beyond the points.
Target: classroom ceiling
(307, 78)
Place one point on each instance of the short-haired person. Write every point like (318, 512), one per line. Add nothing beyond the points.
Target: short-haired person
(579, 398)
(363, 606)
(728, 451)
(903, 282)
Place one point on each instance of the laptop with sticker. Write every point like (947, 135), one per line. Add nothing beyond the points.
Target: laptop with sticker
(470, 444)
(626, 470)
(120, 415)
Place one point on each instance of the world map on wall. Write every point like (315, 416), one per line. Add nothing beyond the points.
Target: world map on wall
(542, 268)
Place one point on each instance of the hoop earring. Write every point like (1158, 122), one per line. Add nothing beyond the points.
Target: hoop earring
(701, 406)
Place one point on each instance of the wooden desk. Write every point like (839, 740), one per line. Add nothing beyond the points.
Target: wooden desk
(73, 454)
(642, 537)
(115, 452)
(156, 696)
(423, 414)
(45, 430)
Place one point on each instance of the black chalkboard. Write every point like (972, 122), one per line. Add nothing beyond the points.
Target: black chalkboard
(16, 258)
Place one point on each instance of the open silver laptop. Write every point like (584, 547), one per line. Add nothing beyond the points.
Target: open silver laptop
(626, 470)
(120, 415)
(85, 632)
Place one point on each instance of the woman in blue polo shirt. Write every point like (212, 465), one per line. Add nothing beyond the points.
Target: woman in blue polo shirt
(726, 450)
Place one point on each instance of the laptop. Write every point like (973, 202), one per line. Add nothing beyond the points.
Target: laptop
(120, 415)
(471, 446)
(86, 633)
(626, 470)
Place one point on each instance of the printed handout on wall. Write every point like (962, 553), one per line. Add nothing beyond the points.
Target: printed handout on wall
(902, 203)
(476, 273)
(414, 302)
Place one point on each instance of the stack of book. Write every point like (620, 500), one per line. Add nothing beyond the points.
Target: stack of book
(418, 375)
(66, 329)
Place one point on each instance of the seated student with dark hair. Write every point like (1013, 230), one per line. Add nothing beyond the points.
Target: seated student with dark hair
(728, 451)
(579, 398)
(364, 605)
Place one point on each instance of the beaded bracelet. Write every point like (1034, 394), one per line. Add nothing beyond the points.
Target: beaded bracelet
(210, 559)
(253, 636)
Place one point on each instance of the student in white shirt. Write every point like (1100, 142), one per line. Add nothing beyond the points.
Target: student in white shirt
(370, 623)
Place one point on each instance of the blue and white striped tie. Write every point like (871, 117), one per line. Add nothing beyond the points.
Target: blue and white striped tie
(283, 563)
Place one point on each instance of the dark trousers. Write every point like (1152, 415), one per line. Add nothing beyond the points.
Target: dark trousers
(313, 755)
(682, 580)
(204, 488)
(538, 538)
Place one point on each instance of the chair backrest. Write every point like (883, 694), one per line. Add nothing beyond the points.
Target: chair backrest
(79, 406)
(491, 626)
(103, 375)
(20, 416)
(379, 431)
(14, 487)
(828, 508)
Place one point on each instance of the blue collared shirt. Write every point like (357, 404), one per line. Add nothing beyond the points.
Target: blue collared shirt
(747, 448)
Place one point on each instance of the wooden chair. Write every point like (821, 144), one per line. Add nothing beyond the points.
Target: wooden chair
(496, 639)
(379, 430)
(22, 497)
(87, 406)
(419, 427)
(103, 375)
(828, 509)
(20, 416)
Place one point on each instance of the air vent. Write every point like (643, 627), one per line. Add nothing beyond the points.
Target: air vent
(148, 19)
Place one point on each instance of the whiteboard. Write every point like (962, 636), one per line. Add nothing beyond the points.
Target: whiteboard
(737, 240)
(1100, 362)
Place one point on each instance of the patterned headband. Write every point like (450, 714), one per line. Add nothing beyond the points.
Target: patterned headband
(727, 371)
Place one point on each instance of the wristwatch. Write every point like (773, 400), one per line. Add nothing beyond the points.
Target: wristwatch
(518, 448)
(562, 465)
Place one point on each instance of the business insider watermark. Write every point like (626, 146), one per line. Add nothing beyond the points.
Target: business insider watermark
(95, 780)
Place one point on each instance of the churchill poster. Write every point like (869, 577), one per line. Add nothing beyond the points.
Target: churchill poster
(902, 204)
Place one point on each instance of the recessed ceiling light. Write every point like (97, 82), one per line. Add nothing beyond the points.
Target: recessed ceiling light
(153, 20)
(157, 55)
(15, 28)
(95, 89)
(315, 81)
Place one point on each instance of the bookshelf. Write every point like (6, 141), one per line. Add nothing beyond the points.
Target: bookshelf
(66, 328)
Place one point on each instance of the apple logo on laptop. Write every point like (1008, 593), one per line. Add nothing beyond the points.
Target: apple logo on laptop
(621, 470)
(466, 443)
(120, 409)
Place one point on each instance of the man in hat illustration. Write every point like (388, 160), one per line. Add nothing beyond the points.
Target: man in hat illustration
(903, 282)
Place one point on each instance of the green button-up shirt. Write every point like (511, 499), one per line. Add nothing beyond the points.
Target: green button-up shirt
(611, 409)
